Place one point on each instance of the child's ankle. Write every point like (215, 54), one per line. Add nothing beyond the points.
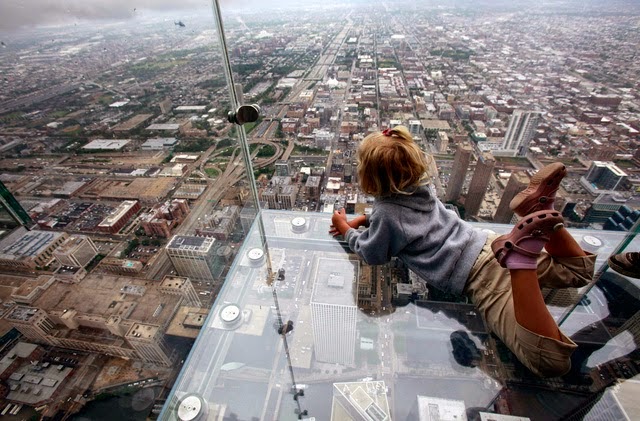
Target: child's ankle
(516, 260)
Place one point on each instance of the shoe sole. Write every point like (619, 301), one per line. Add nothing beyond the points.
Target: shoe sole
(539, 224)
(621, 270)
(540, 191)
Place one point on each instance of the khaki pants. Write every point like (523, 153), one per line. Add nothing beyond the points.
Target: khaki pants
(489, 287)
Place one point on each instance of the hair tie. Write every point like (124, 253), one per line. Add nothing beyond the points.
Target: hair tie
(387, 132)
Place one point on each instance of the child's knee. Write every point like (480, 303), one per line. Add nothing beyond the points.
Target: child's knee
(545, 357)
(551, 367)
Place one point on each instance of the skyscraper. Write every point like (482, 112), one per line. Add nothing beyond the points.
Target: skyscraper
(522, 127)
(479, 183)
(458, 172)
(517, 182)
(605, 175)
(333, 309)
(10, 205)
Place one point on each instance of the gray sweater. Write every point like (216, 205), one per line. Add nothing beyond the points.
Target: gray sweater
(431, 240)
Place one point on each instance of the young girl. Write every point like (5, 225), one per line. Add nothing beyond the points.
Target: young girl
(502, 275)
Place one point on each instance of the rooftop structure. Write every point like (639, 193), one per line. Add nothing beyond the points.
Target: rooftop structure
(187, 322)
(69, 188)
(360, 401)
(159, 143)
(190, 108)
(432, 408)
(197, 244)
(107, 144)
(166, 127)
(32, 384)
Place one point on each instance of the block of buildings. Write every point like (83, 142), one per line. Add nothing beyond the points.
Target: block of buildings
(119, 316)
(280, 194)
(603, 176)
(360, 400)
(162, 218)
(146, 190)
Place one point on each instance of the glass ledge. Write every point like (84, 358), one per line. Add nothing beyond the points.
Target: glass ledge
(336, 339)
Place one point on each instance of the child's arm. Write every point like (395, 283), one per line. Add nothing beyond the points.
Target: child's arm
(339, 219)
(384, 238)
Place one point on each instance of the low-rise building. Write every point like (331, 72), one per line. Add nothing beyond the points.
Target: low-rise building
(119, 217)
(121, 266)
(76, 251)
(27, 250)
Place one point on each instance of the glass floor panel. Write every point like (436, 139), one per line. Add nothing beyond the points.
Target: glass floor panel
(335, 339)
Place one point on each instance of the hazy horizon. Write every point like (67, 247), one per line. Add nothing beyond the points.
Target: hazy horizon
(35, 13)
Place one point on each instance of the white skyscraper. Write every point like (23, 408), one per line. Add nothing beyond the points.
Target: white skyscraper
(522, 127)
(333, 308)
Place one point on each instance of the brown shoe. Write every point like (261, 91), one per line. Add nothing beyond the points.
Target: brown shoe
(541, 192)
(626, 263)
(538, 225)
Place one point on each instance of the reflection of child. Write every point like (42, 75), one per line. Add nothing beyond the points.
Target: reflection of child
(502, 275)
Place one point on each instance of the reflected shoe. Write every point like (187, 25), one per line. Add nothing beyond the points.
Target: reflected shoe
(541, 192)
(521, 247)
(627, 264)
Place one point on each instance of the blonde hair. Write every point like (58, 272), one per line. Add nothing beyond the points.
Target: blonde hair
(390, 162)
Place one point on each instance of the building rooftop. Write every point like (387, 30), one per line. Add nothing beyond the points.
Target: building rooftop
(160, 142)
(71, 243)
(164, 127)
(107, 295)
(118, 213)
(187, 242)
(187, 322)
(23, 244)
(107, 144)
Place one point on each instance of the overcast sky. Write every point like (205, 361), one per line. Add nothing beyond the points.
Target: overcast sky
(20, 13)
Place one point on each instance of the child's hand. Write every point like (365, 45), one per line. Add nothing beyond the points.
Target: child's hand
(339, 224)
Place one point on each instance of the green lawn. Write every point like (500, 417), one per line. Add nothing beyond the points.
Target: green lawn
(212, 172)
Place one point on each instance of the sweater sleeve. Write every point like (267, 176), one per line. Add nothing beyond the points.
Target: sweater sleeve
(377, 244)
